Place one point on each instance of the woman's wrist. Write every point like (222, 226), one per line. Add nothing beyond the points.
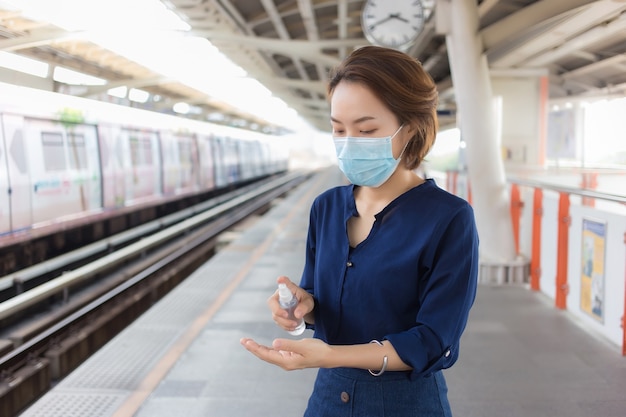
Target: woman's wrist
(364, 356)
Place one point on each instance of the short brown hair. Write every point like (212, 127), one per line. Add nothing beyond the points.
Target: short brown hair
(400, 82)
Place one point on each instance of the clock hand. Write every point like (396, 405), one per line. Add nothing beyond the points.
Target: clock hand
(397, 16)
(373, 25)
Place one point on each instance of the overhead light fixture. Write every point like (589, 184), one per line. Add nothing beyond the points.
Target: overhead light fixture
(68, 76)
(119, 92)
(137, 95)
(181, 108)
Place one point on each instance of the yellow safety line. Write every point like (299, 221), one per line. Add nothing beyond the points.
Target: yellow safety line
(150, 382)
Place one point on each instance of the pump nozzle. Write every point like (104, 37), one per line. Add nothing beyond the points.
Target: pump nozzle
(284, 295)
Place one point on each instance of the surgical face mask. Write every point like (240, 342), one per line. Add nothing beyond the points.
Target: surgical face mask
(367, 162)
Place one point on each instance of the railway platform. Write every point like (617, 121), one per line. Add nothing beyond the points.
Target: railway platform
(519, 355)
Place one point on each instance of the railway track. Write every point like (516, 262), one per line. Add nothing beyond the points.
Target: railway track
(50, 329)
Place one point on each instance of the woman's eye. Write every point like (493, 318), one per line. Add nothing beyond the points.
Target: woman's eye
(367, 132)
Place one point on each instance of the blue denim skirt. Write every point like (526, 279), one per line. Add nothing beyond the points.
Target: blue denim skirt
(348, 392)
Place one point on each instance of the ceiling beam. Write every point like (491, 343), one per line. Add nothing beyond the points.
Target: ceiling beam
(37, 38)
(581, 42)
(130, 83)
(283, 33)
(511, 26)
(310, 26)
(310, 50)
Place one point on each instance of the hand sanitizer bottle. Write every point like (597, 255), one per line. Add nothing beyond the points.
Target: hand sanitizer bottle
(288, 301)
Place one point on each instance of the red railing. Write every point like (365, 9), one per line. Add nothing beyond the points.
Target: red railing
(588, 196)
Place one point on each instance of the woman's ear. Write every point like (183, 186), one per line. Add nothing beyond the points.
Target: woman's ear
(411, 129)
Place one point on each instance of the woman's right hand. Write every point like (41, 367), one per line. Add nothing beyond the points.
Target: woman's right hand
(304, 308)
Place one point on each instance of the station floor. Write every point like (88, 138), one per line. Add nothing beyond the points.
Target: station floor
(519, 355)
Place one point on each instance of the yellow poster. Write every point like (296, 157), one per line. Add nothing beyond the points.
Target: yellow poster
(592, 276)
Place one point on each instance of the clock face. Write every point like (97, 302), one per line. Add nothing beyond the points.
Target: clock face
(392, 23)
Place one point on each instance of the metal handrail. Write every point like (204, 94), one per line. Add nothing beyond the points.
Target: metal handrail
(570, 190)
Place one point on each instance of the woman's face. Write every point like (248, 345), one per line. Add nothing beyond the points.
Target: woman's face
(356, 111)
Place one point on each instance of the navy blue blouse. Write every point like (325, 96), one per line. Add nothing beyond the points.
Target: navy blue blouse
(412, 281)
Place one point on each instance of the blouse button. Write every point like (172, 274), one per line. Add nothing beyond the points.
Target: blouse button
(345, 397)
(348, 264)
(447, 354)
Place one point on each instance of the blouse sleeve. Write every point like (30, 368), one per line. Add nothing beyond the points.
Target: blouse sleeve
(307, 279)
(447, 292)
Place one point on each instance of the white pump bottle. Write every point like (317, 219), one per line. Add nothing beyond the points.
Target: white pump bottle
(288, 301)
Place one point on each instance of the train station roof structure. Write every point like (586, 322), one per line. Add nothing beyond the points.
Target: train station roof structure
(288, 46)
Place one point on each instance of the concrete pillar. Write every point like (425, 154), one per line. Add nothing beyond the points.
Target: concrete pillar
(476, 117)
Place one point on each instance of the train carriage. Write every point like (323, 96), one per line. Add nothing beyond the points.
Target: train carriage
(67, 157)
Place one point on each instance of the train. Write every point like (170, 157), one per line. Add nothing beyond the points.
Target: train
(63, 157)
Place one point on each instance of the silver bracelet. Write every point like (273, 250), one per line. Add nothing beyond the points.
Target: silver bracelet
(384, 367)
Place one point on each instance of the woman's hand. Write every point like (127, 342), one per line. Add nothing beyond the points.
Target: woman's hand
(304, 308)
(291, 354)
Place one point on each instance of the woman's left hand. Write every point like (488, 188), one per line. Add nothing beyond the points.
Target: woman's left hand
(291, 354)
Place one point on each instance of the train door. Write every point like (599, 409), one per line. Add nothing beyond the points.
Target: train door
(265, 159)
(206, 162)
(112, 163)
(179, 163)
(84, 165)
(244, 156)
(231, 160)
(169, 159)
(5, 194)
(20, 210)
(64, 168)
(220, 162)
(142, 160)
(188, 162)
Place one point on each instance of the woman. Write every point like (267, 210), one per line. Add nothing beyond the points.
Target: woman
(391, 260)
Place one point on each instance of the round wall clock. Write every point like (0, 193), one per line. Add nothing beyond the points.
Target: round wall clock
(392, 23)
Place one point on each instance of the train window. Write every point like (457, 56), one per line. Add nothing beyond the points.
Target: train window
(140, 151)
(53, 151)
(78, 152)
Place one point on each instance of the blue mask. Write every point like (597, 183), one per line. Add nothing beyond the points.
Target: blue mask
(367, 162)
